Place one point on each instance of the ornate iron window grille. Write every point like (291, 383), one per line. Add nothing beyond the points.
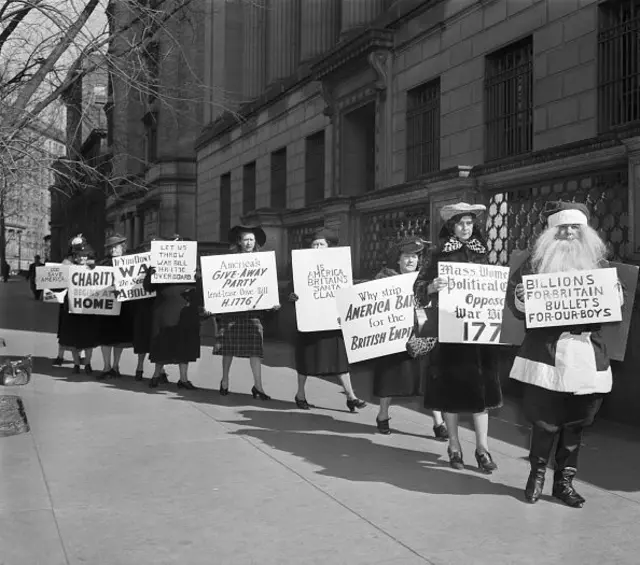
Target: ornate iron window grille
(513, 218)
(618, 64)
(509, 101)
(423, 129)
(379, 229)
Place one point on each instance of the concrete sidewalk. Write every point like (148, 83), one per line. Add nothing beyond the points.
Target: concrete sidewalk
(116, 473)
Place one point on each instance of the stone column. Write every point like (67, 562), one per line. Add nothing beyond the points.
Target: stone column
(254, 55)
(283, 38)
(358, 13)
(319, 26)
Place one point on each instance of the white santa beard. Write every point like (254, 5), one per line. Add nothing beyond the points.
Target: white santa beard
(558, 255)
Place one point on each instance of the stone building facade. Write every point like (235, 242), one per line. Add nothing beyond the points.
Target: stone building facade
(82, 174)
(368, 116)
(153, 122)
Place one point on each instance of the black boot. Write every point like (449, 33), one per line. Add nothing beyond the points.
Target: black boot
(535, 482)
(563, 488)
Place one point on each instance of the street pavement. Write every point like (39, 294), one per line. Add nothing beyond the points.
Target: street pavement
(115, 473)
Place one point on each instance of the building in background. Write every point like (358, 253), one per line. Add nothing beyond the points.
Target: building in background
(153, 126)
(78, 195)
(25, 196)
(369, 116)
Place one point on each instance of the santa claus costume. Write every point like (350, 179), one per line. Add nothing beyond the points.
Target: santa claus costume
(565, 369)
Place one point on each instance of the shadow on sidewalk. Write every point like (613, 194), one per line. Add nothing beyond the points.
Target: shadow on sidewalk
(361, 460)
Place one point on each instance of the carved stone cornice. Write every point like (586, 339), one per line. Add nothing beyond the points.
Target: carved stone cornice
(351, 50)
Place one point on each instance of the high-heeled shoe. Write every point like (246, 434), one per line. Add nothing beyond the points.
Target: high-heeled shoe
(104, 375)
(383, 426)
(485, 462)
(138, 376)
(115, 373)
(259, 394)
(224, 391)
(302, 403)
(186, 384)
(163, 378)
(440, 432)
(153, 383)
(88, 369)
(76, 369)
(353, 403)
(57, 362)
(455, 459)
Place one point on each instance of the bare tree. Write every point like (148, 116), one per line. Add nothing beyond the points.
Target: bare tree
(47, 48)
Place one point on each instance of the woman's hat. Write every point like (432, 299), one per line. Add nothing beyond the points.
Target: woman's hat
(460, 209)
(257, 231)
(77, 241)
(561, 213)
(330, 236)
(114, 239)
(411, 244)
(83, 249)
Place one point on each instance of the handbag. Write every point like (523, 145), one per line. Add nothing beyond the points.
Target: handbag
(419, 344)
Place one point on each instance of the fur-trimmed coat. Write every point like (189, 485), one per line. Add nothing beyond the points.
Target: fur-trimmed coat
(462, 377)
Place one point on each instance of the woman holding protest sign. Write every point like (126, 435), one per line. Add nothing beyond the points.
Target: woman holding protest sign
(322, 353)
(115, 332)
(399, 375)
(175, 326)
(241, 333)
(463, 378)
(79, 331)
(59, 360)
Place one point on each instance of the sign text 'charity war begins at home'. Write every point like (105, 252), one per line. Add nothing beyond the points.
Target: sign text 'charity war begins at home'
(240, 282)
(377, 317)
(563, 299)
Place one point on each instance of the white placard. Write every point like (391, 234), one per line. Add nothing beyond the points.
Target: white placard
(240, 282)
(52, 297)
(377, 317)
(174, 261)
(470, 307)
(317, 275)
(91, 291)
(573, 298)
(129, 272)
(52, 275)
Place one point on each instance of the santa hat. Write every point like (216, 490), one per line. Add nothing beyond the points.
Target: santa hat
(560, 213)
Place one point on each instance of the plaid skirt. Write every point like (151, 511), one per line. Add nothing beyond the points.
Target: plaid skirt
(240, 335)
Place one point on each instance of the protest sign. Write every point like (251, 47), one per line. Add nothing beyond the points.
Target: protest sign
(52, 275)
(317, 275)
(572, 298)
(174, 261)
(129, 272)
(240, 282)
(470, 307)
(53, 297)
(615, 336)
(377, 317)
(91, 291)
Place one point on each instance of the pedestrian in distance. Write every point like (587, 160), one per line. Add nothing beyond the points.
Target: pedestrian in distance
(31, 277)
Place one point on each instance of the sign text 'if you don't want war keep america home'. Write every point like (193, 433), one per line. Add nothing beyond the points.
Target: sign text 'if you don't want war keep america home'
(377, 317)
(240, 282)
(129, 272)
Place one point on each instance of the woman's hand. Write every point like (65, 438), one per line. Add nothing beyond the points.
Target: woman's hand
(275, 308)
(436, 285)
(520, 292)
(151, 270)
(293, 297)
